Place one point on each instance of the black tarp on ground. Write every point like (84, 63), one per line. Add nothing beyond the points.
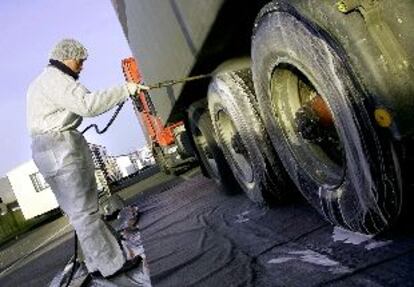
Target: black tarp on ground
(194, 235)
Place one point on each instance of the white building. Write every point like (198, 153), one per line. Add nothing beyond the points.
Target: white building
(31, 190)
(35, 197)
(142, 158)
(146, 156)
(126, 166)
(107, 169)
(135, 161)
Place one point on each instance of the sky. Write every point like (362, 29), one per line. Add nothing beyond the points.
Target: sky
(29, 31)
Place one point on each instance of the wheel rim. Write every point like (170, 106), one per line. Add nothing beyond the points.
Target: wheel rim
(235, 146)
(308, 126)
(201, 141)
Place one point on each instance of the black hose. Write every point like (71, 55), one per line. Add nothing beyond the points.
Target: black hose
(110, 122)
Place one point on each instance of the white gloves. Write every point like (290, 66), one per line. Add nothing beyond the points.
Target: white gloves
(134, 88)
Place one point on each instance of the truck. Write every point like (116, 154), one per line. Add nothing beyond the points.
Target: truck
(308, 95)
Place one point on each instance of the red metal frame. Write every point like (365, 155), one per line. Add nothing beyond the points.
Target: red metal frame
(163, 136)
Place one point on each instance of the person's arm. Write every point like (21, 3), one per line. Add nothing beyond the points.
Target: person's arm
(79, 100)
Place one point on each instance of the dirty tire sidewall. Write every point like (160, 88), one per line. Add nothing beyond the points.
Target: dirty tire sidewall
(247, 169)
(220, 172)
(368, 199)
(232, 94)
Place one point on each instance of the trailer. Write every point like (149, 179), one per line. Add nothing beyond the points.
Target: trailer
(308, 95)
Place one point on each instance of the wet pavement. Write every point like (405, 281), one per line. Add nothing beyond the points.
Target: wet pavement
(40, 256)
(193, 235)
(196, 236)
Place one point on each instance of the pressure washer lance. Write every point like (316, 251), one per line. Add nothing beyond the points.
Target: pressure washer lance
(169, 83)
(159, 85)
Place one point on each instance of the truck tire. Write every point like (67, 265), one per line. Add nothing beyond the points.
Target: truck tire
(210, 155)
(349, 171)
(242, 136)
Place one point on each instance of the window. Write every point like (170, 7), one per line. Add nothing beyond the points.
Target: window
(39, 182)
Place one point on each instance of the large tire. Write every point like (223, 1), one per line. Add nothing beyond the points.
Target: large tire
(210, 155)
(243, 138)
(355, 183)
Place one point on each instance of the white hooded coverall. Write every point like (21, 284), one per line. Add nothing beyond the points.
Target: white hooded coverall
(56, 103)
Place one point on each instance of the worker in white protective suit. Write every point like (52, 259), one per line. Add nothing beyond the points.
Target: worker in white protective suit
(56, 103)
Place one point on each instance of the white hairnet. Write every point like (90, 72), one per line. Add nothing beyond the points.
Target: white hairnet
(69, 49)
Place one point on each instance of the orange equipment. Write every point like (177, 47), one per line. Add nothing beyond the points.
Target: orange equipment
(158, 134)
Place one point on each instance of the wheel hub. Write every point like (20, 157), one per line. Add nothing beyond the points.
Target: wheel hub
(314, 120)
(308, 125)
(235, 146)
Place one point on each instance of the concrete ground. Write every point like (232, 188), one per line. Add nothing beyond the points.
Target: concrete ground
(37, 256)
(194, 235)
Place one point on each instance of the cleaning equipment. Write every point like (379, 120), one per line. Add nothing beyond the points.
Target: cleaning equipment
(156, 132)
(161, 136)
(166, 142)
(110, 122)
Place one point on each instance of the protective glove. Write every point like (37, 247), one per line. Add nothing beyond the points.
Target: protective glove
(134, 88)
